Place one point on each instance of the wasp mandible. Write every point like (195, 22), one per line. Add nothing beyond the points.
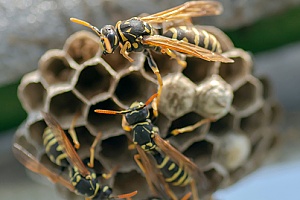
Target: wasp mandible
(139, 35)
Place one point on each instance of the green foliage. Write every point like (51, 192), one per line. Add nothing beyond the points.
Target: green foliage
(269, 33)
(12, 113)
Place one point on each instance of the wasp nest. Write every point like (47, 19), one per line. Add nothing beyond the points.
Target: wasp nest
(79, 79)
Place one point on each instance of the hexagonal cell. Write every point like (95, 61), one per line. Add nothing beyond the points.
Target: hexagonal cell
(213, 98)
(36, 131)
(276, 113)
(137, 182)
(235, 73)
(223, 125)
(117, 61)
(254, 122)
(55, 68)
(234, 150)
(33, 95)
(134, 87)
(246, 97)
(216, 176)
(177, 97)
(200, 152)
(162, 122)
(184, 140)
(109, 125)
(116, 153)
(267, 89)
(198, 69)
(82, 46)
(93, 80)
(64, 107)
(164, 63)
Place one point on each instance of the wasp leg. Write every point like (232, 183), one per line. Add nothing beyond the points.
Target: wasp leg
(186, 196)
(190, 128)
(72, 131)
(111, 173)
(124, 52)
(92, 150)
(87, 198)
(174, 56)
(125, 125)
(155, 70)
(194, 190)
(137, 158)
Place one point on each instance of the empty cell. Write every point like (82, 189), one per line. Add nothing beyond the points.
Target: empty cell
(164, 63)
(82, 46)
(198, 69)
(33, 95)
(36, 131)
(115, 151)
(117, 61)
(214, 177)
(223, 125)
(55, 68)
(64, 106)
(276, 113)
(200, 152)
(134, 87)
(93, 80)
(183, 140)
(235, 73)
(254, 121)
(109, 125)
(267, 89)
(244, 96)
(129, 182)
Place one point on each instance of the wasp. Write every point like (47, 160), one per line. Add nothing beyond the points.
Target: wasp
(176, 169)
(83, 180)
(138, 34)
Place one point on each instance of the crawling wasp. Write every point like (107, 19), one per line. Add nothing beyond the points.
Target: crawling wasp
(171, 166)
(83, 181)
(139, 35)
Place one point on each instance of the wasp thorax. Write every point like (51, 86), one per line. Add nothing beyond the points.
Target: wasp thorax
(109, 39)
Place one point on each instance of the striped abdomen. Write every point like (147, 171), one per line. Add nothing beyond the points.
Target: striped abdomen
(53, 149)
(172, 173)
(195, 36)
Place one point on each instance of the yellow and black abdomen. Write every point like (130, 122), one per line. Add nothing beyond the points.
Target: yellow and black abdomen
(172, 172)
(53, 149)
(195, 36)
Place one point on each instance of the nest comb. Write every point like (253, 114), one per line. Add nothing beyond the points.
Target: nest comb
(78, 78)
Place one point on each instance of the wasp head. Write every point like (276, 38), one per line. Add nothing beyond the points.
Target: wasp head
(109, 39)
(139, 113)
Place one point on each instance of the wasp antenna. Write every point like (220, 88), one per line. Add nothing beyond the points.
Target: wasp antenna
(151, 99)
(111, 112)
(84, 23)
(128, 195)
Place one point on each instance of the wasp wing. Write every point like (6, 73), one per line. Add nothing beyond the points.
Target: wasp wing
(66, 145)
(181, 160)
(184, 47)
(186, 11)
(31, 163)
